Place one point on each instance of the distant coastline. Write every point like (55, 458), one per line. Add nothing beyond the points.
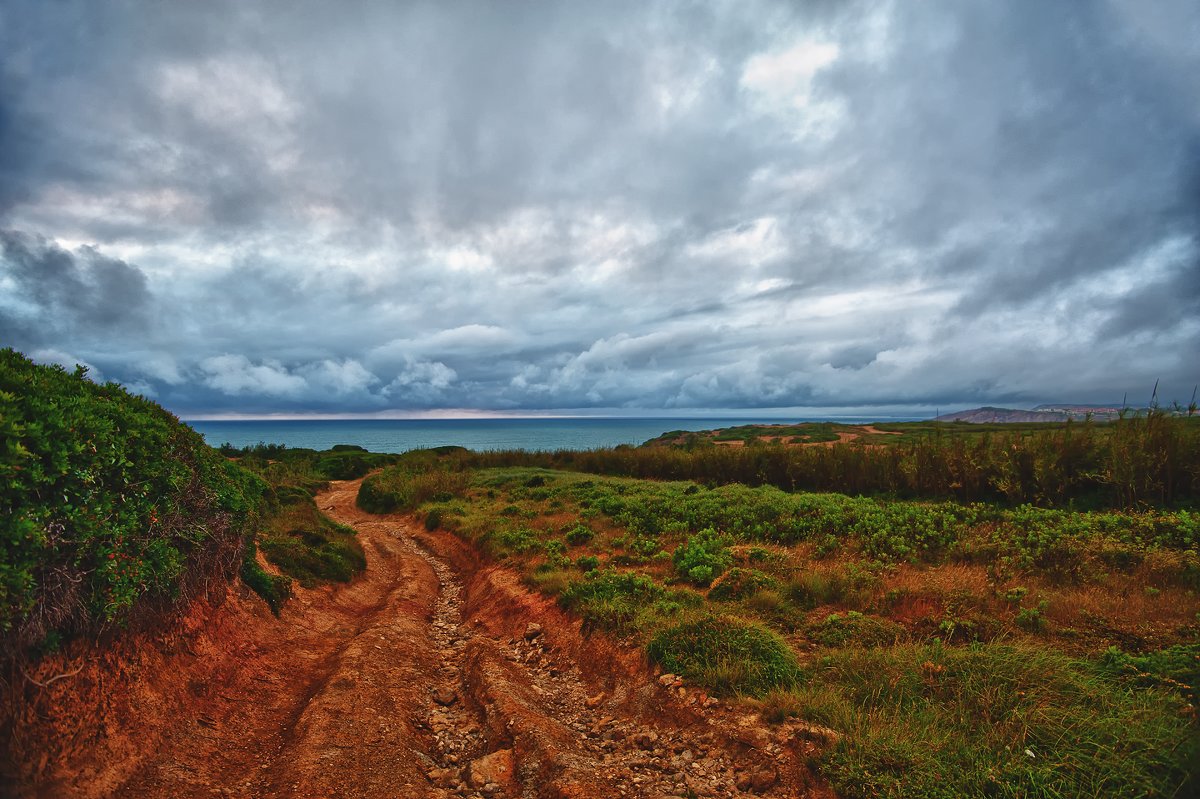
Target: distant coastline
(545, 433)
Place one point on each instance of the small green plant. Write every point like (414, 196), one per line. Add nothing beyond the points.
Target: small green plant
(579, 534)
(725, 655)
(611, 599)
(856, 629)
(703, 557)
(274, 589)
(587, 563)
(1032, 619)
(1014, 595)
(522, 541)
(739, 583)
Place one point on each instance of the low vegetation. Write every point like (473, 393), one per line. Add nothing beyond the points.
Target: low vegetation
(109, 507)
(112, 511)
(293, 535)
(955, 649)
(1148, 459)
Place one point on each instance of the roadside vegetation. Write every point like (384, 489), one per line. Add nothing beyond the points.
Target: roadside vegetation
(1018, 646)
(1146, 459)
(293, 535)
(110, 508)
(113, 513)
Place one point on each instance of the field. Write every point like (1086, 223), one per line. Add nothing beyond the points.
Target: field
(951, 648)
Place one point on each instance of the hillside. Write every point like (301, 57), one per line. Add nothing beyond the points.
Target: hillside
(1042, 413)
(110, 508)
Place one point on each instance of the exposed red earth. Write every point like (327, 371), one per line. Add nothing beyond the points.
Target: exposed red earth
(434, 674)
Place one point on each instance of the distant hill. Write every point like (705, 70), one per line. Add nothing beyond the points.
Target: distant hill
(1042, 413)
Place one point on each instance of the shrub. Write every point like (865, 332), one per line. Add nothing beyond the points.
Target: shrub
(316, 555)
(739, 583)
(418, 477)
(1177, 668)
(587, 563)
(612, 599)
(522, 541)
(274, 589)
(433, 520)
(579, 534)
(856, 629)
(105, 499)
(703, 557)
(1032, 619)
(726, 655)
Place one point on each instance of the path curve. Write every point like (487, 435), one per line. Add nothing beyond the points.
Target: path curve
(425, 678)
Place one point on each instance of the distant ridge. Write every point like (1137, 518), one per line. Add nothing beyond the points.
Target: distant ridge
(1042, 413)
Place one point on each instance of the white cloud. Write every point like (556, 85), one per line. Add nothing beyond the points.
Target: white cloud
(751, 244)
(67, 361)
(237, 375)
(343, 378)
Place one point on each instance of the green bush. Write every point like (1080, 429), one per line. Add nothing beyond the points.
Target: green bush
(416, 477)
(739, 583)
(726, 655)
(1032, 619)
(703, 557)
(579, 534)
(856, 629)
(105, 498)
(316, 554)
(1176, 668)
(612, 599)
(274, 589)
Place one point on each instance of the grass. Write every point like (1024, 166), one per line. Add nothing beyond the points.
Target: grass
(293, 535)
(727, 655)
(1150, 458)
(938, 640)
(993, 720)
(306, 545)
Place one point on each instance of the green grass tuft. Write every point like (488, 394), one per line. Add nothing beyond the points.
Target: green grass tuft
(725, 655)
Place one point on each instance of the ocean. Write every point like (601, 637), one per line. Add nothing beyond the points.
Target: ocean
(401, 435)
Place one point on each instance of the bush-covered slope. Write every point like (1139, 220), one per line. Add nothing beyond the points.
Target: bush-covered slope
(107, 504)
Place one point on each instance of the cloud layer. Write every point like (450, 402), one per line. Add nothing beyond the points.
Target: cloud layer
(374, 207)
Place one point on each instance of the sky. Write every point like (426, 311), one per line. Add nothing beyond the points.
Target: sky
(633, 208)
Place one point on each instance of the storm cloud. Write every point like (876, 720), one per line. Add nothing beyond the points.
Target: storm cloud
(661, 207)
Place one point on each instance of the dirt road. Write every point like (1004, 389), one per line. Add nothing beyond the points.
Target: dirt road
(433, 675)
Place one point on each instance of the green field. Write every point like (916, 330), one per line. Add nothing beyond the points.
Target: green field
(980, 649)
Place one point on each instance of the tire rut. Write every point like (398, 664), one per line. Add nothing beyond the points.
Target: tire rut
(435, 676)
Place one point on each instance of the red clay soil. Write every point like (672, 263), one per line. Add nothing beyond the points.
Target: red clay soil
(432, 675)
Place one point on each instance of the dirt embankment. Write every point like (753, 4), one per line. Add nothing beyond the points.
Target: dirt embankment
(432, 675)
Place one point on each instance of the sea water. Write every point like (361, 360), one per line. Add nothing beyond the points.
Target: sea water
(401, 435)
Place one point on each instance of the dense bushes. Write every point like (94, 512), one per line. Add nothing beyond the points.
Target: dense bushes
(703, 557)
(105, 498)
(1147, 459)
(417, 477)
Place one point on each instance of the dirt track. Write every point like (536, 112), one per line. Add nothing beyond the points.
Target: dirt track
(424, 678)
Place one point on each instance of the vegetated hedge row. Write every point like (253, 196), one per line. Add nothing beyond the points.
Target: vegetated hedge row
(107, 503)
(1069, 545)
(294, 535)
(307, 468)
(416, 477)
(1149, 459)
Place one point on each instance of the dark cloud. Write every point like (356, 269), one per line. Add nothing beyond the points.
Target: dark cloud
(68, 294)
(371, 206)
